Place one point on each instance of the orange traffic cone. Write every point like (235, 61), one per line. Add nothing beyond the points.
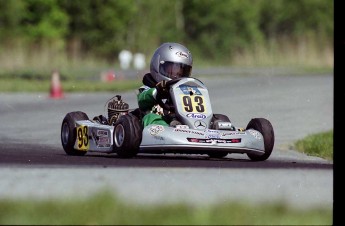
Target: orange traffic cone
(55, 86)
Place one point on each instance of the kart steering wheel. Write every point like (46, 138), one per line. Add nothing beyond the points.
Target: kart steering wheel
(159, 100)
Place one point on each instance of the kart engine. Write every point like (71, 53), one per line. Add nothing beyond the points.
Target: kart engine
(116, 108)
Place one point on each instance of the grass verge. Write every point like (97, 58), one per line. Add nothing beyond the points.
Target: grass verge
(320, 145)
(104, 208)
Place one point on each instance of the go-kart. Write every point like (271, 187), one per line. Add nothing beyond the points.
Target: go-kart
(200, 131)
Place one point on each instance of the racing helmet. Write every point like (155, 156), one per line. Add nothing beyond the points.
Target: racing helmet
(171, 61)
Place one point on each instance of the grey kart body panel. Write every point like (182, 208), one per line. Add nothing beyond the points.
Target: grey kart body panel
(169, 139)
(157, 138)
(100, 137)
(193, 109)
(193, 104)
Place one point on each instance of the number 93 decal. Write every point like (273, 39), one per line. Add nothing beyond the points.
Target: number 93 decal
(82, 138)
(193, 103)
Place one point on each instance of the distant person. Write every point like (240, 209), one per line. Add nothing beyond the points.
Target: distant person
(139, 61)
(125, 57)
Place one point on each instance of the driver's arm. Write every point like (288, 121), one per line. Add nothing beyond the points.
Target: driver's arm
(146, 98)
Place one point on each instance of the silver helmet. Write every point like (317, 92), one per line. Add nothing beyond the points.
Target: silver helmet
(171, 61)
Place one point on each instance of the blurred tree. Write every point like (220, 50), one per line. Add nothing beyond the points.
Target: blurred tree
(44, 20)
(99, 27)
(11, 15)
(296, 18)
(220, 28)
(154, 23)
(213, 29)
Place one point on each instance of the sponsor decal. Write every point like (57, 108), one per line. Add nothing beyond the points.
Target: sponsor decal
(255, 134)
(196, 115)
(218, 141)
(212, 134)
(182, 54)
(189, 131)
(103, 145)
(182, 126)
(104, 140)
(158, 137)
(200, 124)
(187, 90)
(232, 133)
(102, 133)
(101, 138)
(156, 129)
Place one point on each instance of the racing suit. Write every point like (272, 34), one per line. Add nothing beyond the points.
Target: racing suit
(147, 104)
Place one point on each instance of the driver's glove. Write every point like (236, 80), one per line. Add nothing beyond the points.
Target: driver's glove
(162, 89)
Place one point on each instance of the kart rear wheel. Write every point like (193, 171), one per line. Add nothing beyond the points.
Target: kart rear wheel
(127, 136)
(69, 133)
(265, 128)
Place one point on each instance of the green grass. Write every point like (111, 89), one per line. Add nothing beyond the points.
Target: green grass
(105, 208)
(320, 145)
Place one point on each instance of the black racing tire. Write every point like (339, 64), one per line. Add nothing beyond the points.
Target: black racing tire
(127, 136)
(101, 119)
(266, 129)
(69, 132)
(219, 118)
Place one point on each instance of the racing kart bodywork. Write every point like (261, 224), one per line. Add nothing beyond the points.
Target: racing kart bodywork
(201, 131)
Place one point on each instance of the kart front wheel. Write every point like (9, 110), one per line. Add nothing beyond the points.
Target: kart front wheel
(69, 132)
(218, 118)
(127, 136)
(265, 128)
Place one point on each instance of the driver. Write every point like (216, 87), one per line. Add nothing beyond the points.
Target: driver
(170, 61)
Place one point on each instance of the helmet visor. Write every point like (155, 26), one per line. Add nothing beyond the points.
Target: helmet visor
(175, 70)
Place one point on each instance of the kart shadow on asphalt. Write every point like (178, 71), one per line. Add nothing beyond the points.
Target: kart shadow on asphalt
(202, 161)
(34, 155)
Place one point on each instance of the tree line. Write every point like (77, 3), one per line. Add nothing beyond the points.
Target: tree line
(212, 28)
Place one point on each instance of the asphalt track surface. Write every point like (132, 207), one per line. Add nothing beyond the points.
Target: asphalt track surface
(34, 164)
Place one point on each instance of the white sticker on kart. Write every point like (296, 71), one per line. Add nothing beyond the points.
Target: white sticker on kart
(256, 134)
(232, 133)
(156, 129)
(102, 133)
(212, 134)
(187, 90)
